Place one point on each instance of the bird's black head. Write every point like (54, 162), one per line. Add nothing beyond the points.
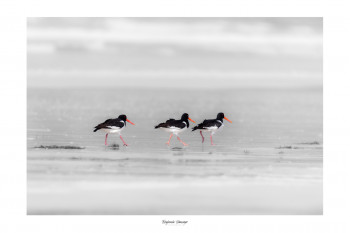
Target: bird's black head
(122, 117)
(220, 116)
(184, 117)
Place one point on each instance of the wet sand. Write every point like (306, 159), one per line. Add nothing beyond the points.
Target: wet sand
(269, 161)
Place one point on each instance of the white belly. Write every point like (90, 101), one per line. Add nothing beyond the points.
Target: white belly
(213, 129)
(174, 130)
(114, 130)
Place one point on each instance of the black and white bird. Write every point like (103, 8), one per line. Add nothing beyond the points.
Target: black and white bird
(212, 126)
(176, 126)
(114, 126)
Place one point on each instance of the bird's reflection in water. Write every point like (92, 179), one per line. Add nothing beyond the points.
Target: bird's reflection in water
(178, 151)
(114, 147)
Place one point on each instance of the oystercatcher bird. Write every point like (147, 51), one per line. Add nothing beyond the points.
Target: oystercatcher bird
(114, 126)
(176, 126)
(211, 126)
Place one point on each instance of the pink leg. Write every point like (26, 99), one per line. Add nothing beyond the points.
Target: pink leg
(202, 136)
(169, 139)
(123, 140)
(211, 138)
(106, 139)
(182, 141)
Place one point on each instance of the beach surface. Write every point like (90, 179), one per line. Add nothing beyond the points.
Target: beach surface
(268, 161)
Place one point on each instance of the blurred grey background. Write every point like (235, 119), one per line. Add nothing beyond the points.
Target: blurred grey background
(175, 52)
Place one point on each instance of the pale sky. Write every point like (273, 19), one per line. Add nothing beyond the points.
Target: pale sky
(153, 51)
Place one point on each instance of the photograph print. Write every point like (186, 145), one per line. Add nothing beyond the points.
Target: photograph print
(174, 116)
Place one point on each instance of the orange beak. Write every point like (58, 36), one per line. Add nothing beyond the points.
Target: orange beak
(130, 122)
(227, 120)
(191, 120)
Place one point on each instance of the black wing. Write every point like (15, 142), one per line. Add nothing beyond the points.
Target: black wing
(164, 124)
(171, 123)
(108, 123)
(177, 123)
(207, 123)
(170, 120)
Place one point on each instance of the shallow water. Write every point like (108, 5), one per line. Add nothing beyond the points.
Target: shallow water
(265, 162)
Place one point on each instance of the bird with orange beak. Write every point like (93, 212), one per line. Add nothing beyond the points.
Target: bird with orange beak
(212, 126)
(114, 126)
(176, 126)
